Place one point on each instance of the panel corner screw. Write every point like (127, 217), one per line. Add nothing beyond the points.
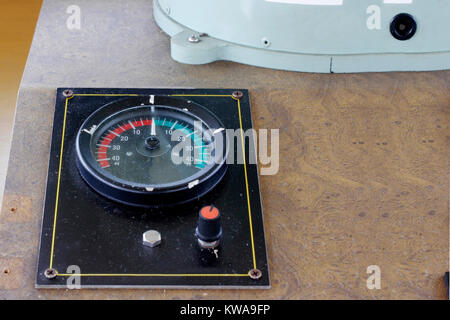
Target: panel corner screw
(194, 39)
(67, 93)
(255, 274)
(50, 273)
(237, 95)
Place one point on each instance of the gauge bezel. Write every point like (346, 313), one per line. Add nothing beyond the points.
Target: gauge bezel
(139, 194)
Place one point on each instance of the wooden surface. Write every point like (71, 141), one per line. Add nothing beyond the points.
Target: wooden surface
(362, 181)
(363, 176)
(17, 22)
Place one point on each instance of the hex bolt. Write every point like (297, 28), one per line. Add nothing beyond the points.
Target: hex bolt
(67, 93)
(255, 274)
(151, 238)
(237, 95)
(194, 39)
(50, 273)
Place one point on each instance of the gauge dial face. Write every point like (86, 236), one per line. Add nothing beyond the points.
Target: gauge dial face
(151, 149)
(138, 146)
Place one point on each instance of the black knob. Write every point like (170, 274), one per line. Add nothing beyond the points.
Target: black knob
(403, 27)
(209, 228)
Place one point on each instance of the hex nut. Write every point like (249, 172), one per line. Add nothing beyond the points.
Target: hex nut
(151, 238)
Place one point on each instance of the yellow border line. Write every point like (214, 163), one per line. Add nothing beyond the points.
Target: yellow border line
(105, 95)
(246, 186)
(57, 187)
(202, 95)
(152, 275)
(156, 274)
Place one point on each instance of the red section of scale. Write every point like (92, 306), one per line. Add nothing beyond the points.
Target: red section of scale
(102, 151)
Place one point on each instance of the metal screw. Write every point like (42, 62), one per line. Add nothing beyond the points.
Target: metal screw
(255, 274)
(194, 39)
(237, 95)
(67, 93)
(208, 245)
(50, 273)
(151, 238)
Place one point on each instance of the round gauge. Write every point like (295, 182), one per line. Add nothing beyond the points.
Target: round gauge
(152, 151)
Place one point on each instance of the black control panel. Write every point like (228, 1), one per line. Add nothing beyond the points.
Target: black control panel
(119, 212)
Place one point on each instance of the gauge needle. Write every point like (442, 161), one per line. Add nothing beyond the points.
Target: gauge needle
(153, 129)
